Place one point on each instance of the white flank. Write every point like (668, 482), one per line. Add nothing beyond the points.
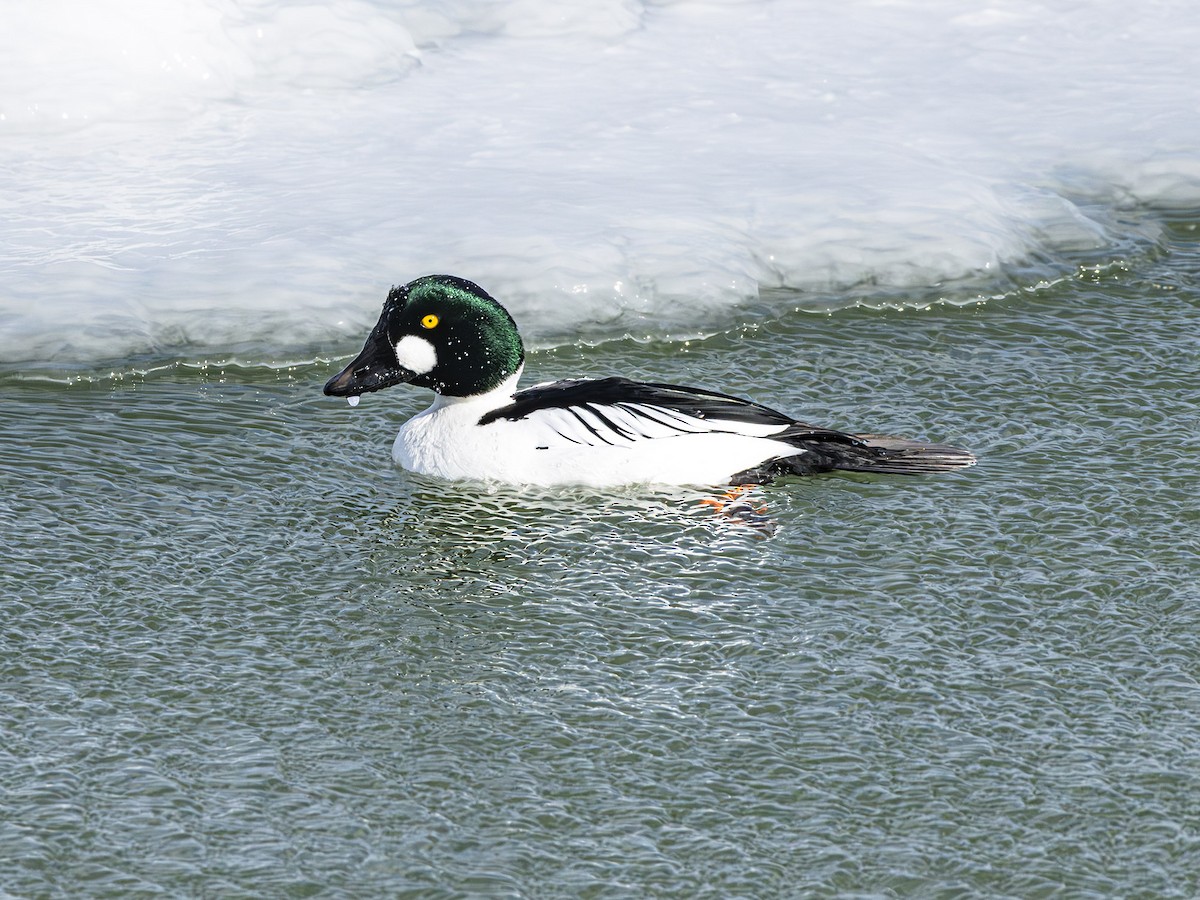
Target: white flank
(552, 446)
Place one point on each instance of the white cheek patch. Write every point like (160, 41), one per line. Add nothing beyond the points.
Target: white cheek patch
(416, 353)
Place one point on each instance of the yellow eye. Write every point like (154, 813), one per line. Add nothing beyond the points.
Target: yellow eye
(430, 321)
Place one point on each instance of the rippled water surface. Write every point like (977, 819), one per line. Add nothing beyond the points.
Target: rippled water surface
(242, 655)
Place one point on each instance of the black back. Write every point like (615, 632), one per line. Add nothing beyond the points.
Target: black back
(613, 391)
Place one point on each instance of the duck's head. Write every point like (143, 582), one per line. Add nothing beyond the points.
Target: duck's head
(439, 332)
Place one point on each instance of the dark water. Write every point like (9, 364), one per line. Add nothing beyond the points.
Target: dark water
(243, 656)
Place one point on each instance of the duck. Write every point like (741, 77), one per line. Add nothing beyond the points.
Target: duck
(447, 334)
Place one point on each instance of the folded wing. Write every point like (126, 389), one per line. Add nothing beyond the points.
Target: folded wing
(617, 411)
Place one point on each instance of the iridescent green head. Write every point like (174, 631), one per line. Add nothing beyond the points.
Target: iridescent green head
(439, 332)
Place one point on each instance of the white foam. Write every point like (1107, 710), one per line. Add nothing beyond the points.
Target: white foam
(255, 173)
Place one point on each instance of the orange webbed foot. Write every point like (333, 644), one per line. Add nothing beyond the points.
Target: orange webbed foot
(735, 506)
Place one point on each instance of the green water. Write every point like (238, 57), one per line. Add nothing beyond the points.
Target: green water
(243, 656)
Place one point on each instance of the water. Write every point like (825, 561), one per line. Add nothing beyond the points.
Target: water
(243, 655)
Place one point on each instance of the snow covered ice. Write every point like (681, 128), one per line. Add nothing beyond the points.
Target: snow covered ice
(255, 174)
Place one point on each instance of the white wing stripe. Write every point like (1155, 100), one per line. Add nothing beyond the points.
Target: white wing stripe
(624, 424)
(583, 414)
(660, 414)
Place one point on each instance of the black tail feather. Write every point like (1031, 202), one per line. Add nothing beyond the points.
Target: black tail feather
(902, 456)
(834, 451)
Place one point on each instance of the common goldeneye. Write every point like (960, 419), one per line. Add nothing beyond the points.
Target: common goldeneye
(447, 334)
